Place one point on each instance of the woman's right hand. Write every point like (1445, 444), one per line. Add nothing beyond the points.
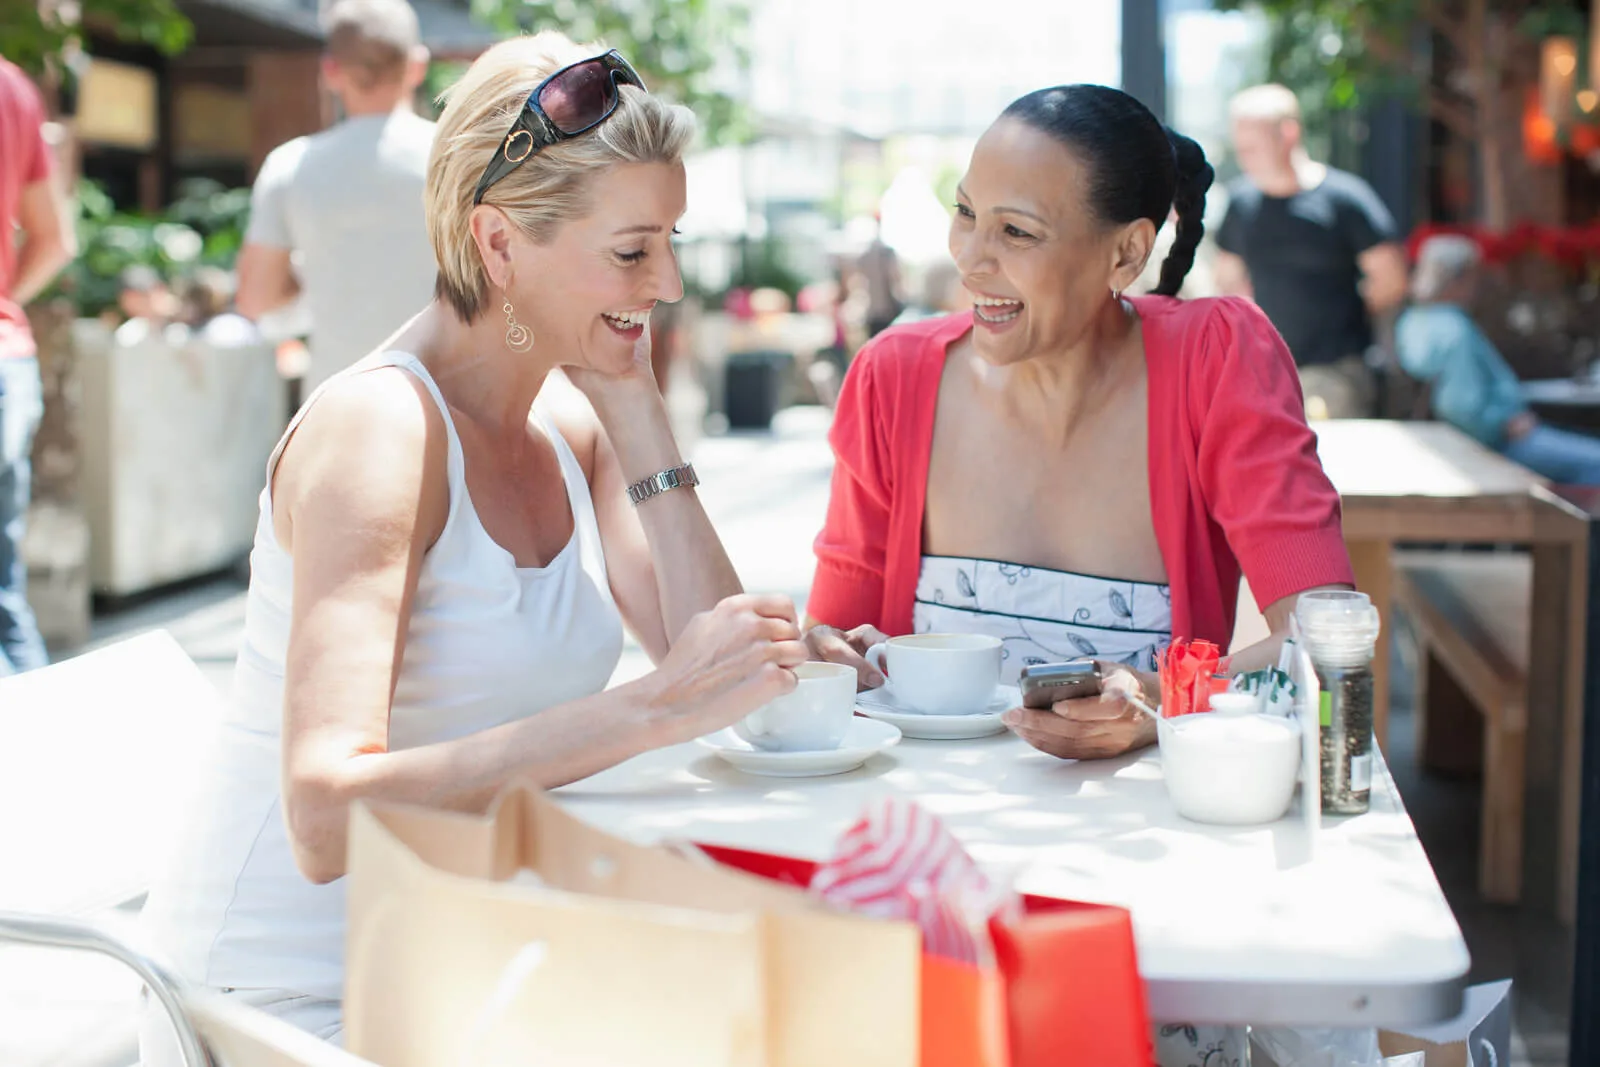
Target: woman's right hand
(834, 646)
(727, 663)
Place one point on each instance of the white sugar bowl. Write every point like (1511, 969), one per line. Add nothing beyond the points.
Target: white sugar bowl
(1230, 766)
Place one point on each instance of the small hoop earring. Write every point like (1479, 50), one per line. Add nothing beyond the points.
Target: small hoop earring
(518, 337)
(1116, 294)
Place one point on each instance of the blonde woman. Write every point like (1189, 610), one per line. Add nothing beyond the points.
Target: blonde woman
(442, 569)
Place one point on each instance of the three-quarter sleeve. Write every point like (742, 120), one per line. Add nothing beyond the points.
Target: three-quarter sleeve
(1258, 466)
(847, 590)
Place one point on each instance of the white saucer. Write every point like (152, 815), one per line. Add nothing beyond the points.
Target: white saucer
(863, 740)
(882, 705)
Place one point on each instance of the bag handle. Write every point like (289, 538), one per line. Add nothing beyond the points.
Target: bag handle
(685, 849)
(513, 976)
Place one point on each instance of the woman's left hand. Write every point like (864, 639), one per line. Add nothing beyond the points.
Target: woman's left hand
(1097, 727)
(607, 391)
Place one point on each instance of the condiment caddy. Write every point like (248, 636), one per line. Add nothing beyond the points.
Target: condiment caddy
(1232, 750)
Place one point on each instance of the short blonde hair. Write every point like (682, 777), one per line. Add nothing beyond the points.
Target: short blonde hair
(1265, 103)
(551, 186)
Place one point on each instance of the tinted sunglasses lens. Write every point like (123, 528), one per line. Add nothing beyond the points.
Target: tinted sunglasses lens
(579, 96)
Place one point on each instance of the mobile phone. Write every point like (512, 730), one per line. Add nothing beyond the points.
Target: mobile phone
(1043, 684)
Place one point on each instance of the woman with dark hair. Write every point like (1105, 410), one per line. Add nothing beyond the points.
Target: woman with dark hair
(1080, 472)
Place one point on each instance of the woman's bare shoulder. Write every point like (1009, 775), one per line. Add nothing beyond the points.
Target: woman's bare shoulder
(373, 446)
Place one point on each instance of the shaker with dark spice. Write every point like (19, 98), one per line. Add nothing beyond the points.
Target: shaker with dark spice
(1340, 631)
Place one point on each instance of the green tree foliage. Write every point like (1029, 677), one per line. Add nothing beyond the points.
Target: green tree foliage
(679, 47)
(204, 227)
(35, 35)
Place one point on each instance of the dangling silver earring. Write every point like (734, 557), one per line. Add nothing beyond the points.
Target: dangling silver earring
(1116, 294)
(518, 337)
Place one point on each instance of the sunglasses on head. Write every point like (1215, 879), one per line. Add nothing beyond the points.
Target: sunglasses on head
(572, 101)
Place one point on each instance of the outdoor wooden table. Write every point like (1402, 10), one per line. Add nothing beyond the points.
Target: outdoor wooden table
(1429, 482)
(1235, 925)
(1562, 392)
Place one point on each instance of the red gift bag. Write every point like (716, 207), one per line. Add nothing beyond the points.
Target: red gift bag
(1066, 990)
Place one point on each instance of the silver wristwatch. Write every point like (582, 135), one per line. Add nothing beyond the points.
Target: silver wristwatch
(682, 477)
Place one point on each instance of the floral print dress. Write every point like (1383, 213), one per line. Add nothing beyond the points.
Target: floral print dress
(1042, 615)
(1049, 616)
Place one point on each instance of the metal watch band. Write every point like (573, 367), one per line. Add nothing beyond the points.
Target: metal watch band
(682, 477)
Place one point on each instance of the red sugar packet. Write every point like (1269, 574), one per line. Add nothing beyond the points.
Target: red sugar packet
(900, 862)
(1188, 672)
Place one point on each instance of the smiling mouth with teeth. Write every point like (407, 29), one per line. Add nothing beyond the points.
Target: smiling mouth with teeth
(627, 320)
(990, 309)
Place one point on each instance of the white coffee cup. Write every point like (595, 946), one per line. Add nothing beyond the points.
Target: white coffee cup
(940, 674)
(812, 718)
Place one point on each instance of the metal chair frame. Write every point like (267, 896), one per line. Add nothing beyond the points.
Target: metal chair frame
(55, 932)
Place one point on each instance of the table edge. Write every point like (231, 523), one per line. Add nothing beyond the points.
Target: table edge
(1310, 1003)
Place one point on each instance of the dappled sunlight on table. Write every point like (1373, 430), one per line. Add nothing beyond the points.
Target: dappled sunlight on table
(1210, 903)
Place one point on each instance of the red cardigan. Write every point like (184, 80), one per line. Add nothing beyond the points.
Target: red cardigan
(1235, 483)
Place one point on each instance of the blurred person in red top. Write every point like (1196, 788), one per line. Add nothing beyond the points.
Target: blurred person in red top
(28, 206)
(1076, 471)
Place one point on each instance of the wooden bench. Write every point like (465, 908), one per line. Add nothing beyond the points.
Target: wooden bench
(1470, 614)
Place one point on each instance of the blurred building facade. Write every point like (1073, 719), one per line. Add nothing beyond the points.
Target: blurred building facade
(143, 123)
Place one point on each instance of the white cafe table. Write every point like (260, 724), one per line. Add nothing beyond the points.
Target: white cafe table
(1234, 926)
(1407, 482)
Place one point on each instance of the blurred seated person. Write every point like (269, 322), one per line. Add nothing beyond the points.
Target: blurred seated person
(879, 270)
(942, 293)
(769, 303)
(144, 295)
(824, 366)
(146, 304)
(208, 310)
(1473, 388)
(939, 293)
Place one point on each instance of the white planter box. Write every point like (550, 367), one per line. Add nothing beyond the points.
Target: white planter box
(175, 440)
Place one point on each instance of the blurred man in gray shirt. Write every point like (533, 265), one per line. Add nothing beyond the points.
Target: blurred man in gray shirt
(336, 217)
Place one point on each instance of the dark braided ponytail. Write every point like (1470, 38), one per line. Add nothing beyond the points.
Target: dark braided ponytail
(1189, 201)
(1138, 169)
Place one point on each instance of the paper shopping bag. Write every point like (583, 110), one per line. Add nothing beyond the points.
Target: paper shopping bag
(622, 954)
(1065, 988)
(238, 1035)
(1073, 990)
(1479, 1037)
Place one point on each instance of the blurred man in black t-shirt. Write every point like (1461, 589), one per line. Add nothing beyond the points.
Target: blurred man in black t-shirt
(1314, 247)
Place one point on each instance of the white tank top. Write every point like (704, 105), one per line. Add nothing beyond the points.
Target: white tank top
(489, 642)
